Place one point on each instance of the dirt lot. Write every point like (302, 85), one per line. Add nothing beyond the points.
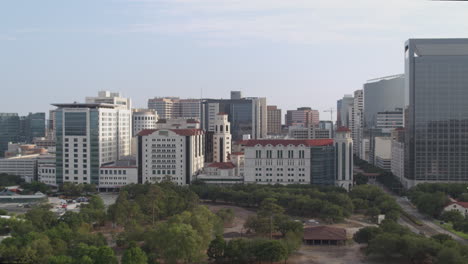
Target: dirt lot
(236, 229)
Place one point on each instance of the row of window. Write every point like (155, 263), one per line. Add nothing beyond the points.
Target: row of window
(279, 154)
(115, 172)
(279, 180)
(279, 169)
(75, 140)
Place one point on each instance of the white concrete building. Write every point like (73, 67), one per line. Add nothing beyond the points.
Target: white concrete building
(115, 176)
(364, 149)
(172, 154)
(398, 160)
(383, 152)
(107, 97)
(357, 121)
(88, 136)
(174, 107)
(292, 161)
(222, 138)
(24, 166)
(344, 158)
(143, 119)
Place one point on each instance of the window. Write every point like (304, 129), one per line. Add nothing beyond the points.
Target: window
(258, 154)
(268, 153)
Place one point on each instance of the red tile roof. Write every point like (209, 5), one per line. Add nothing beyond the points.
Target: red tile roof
(285, 142)
(343, 129)
(462, 204)
(181, 132)
(237, 153)
(222, 165)
(324, 233)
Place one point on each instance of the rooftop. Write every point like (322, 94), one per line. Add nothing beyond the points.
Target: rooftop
(181, 132)
(81, 105)
(324, 233)
(285, 142)
(222, 165)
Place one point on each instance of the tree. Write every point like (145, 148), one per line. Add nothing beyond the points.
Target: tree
(366, 234)
(105, 255)
(442, 238)
(385, 244)
(216, 249)
(175, 242)
(269, 250)
(226, 215)
(238, 251)
(452, 216)
(449, 256)
(134, 255)
(360, 179)
(41, 218)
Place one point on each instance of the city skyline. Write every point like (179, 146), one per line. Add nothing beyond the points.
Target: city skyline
(288, 51)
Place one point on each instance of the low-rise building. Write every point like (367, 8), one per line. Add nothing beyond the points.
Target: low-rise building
(24, 166)
(178, 123)
(114, 176)
(461, 207)
(383, 152)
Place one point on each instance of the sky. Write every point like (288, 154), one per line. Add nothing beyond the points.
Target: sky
(294, 52)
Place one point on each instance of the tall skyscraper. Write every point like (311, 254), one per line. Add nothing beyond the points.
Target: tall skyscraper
(383, 94)
(9, 130)
(357, 120)
(344, 111)
(436, 77)
(273, 120)
(304, 116)
(248, 116)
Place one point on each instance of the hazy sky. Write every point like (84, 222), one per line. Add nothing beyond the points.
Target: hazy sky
(294, 52)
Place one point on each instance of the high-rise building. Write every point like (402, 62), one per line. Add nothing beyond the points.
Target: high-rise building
(344, 111)
(273, 120)
(248, 116)
(436, 148)
(344, 158)
(222, 138)
(143, 119)
(170, 154)
(32, 126)
(383, 94)
(357, 120)
(9, 130)
(302, 116)
(174, 107)
(389, 120)
(88, 136)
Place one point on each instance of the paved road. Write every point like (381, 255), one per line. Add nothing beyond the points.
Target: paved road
(429, 228)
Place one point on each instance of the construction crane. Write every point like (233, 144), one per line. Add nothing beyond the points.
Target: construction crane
(331, 111)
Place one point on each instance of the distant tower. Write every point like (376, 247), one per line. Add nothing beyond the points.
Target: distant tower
(221, 138)
(344, 158)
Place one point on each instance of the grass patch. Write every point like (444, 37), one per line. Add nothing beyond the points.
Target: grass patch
(449, 227)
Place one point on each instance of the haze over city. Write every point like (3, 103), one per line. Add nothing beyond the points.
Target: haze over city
(295, 52)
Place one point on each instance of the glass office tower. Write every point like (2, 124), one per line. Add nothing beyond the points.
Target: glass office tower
(9, 130)
(436, 146)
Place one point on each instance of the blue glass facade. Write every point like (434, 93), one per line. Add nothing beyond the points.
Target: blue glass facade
(323, 165)
(59, 146)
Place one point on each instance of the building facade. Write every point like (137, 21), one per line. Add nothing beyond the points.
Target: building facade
(222, 139)
(9, 130)
(273, 120)
(248, 116)
(304, 116)
(174, 107)
(88, 136)
(436, 148)
(289, 161)
(176, 155)
(344, 158)
(143, 119)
